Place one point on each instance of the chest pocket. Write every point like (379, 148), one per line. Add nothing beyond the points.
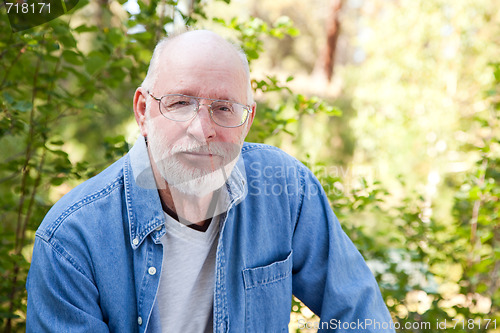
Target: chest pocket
(268, 296)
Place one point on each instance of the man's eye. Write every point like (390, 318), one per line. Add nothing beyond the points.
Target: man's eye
(177, 104)
(223, 108)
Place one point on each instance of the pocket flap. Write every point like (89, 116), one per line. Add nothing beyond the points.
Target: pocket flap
(254, 277)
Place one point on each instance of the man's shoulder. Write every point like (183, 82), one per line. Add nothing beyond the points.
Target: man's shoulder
(269, 156)
(252, 150)
(97, 188)
(270, 162)
(252, 146)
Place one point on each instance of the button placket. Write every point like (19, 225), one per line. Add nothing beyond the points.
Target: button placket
(152, 258)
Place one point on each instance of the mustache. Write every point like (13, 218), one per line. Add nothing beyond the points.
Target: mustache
(220, 148)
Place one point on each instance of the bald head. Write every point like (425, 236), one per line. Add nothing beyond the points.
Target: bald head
(201, 49)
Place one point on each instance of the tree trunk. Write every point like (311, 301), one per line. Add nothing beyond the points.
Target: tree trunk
(332, 34)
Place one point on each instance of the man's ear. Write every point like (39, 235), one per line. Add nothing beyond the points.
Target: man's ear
(140, 110)
(251, 117)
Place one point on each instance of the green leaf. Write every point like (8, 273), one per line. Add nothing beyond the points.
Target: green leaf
(145, 36)
(124, 62)
(252, 54)
(60, 153)
(91, 106)
(22, 106)
(7, 97)
(333, 111)
(72, 57)
(293, 32)
(219, 20)
(57, 181)
(94, 63)
(81, 75)
(474, 193)
(115, 36)
(84, 28)
(62, 33)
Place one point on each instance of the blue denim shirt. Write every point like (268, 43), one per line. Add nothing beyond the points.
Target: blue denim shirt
(97, 257)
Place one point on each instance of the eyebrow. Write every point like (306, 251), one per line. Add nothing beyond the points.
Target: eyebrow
(190, 93)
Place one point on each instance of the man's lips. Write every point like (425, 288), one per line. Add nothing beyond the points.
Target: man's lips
(196, 157)
(197, 153)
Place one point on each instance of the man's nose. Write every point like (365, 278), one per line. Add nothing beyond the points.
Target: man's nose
(202, 128)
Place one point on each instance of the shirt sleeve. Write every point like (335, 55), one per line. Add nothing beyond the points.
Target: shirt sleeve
(61, 298)
(329, 274)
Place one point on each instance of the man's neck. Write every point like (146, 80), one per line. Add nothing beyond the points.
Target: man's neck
(195, 212)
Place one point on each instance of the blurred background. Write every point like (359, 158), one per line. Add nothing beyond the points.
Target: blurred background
(394, 104)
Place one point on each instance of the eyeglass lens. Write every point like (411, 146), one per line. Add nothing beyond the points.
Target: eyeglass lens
(183, 108)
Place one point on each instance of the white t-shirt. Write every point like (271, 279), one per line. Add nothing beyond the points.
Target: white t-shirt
(185, 294)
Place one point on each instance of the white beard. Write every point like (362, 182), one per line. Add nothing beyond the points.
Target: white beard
(191, 181)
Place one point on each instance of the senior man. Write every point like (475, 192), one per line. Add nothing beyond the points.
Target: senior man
(194, 230)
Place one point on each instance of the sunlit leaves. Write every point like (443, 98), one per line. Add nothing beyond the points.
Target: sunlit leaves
(252, 31)
(314, 104)
(116, 147)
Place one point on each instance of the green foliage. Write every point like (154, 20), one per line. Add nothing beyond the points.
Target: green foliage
(48, 85)
(430, 271)
(250, 32)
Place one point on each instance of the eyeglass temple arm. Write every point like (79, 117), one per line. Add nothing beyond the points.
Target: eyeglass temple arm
(150, 94)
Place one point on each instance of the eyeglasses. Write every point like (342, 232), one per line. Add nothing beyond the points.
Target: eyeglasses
(179, 107)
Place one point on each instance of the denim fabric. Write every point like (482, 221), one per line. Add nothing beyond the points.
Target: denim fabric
(93, 252)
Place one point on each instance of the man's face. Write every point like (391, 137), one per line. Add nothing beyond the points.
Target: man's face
(196, 156)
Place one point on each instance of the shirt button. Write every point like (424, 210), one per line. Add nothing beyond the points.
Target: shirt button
(159, 228)
(139, 320)
(135, 241)
(152, 271)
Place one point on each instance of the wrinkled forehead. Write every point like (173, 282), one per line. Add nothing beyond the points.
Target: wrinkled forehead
(202, 49)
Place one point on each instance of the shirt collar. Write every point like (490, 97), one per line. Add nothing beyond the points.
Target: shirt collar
(143, 202)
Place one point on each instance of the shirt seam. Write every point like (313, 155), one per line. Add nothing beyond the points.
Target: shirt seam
(258, 146)
(274, 279)
(61, 252)
(301, 197)
(49, 232)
